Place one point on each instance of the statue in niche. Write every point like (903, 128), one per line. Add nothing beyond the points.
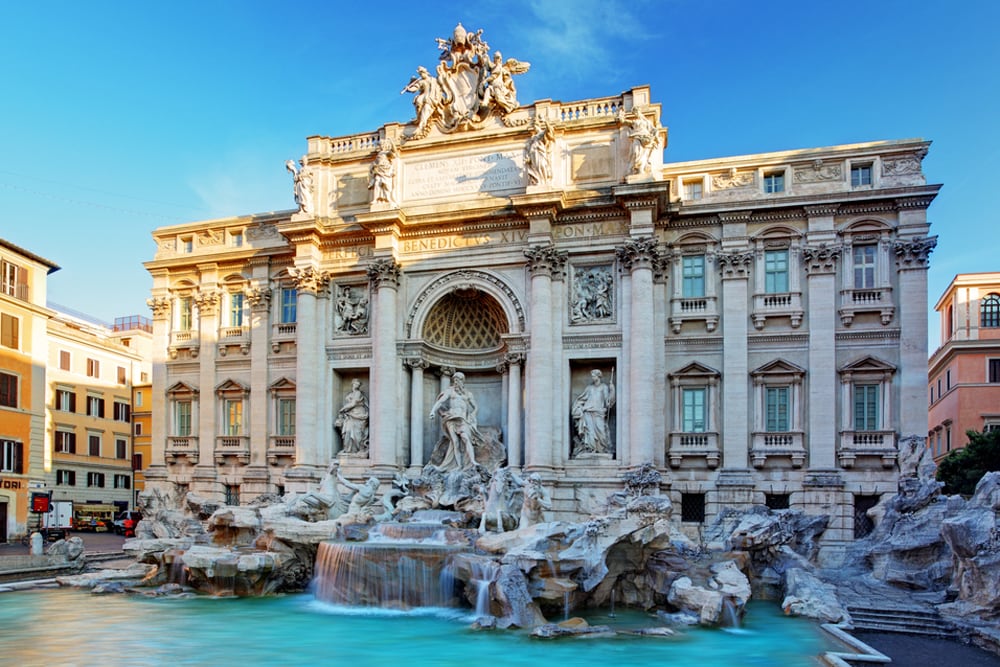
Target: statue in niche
(352, 420)
(427, 100)
(590, 416)
(538, 153)
(302, 179)
(645, 141)
(465, 445)
(591, 295)
(536, 501)
(382, 173)
(352, 312)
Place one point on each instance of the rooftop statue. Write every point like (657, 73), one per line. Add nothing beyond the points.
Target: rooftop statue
(303, 181)
(469, 87)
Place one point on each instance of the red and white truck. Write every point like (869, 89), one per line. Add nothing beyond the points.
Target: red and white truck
(58, 521)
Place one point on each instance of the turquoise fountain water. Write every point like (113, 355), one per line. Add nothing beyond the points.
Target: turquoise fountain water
(69, 627)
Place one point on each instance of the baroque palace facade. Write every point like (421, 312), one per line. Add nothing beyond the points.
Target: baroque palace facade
(757, 323)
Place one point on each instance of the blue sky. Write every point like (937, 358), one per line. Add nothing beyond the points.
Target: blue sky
(119, 117)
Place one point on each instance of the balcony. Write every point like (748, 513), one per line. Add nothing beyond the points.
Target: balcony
(180, 340)
(880, 444)
(874, 300)
(784, 304)
(232, 445)
(282, 332)
(234, 336)
(778, 444)
(702, 308)
(182, 446)
(694, 445)
(280, 446)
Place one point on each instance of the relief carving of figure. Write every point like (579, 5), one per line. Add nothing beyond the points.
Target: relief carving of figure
(428, 98)
(457, 408)
(302, 180)
(591, 296)
(590, 416)
(538, 153)
(382, 173)
(352, 313)
(352, 420)
(536, 501)
(645, 141)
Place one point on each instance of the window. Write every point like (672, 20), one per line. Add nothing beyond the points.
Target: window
(95, 406)
(993, 370)
(777, 501)
(989, 311)
(123, 482)
(187, 245)
(286, 416)
(122, 412)
(66, 477)
(64, 360)
(8, 390)
(65, 442)
(866, 400)
(774, 182)
(95, 479)
(138, 428)
(692, 190)
(182, 418)
(861, 174)
(776, 271)
(236, 304)
(121, 375)
(93, 368)
(234, 416)
(13, 280)
(121, 449)
(694, 408)
(947, 439)
(65, 400)
(947, 379)
(137, 462)
(232, 494)
(11, 456)
(289, 303)
(138, 399)
(776, 409)
(9, 334)
(863, 524)
(236, 239)
(693, 507)
(864, 266)
(94, 446)
(693, 274)
(184, 313)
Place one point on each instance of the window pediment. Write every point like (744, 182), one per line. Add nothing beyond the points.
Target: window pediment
(868, 363)
(182, 389)
(694, 370)
(779, 370)
(232, 387)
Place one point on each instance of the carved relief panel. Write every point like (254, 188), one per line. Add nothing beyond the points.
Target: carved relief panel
(592, 294)
(351, 310)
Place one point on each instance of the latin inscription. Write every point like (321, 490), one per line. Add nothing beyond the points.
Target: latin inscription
(492, 173)
(515, 237)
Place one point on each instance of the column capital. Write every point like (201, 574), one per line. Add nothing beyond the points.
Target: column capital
(641, 253)
(416, 363)
(160, 305)
(259, 299)
(735, 264)
(914, 253)
(514, 358)
(309, 279)
(384, 272)
(207, 301)
(821, 258)
(545, 260)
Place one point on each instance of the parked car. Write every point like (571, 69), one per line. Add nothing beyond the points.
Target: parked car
(124, 523)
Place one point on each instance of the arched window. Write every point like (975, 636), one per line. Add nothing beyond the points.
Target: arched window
(989, 311)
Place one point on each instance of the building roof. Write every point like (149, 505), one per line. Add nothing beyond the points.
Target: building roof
(30, 255)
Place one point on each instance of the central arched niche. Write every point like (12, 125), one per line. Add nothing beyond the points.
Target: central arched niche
(464, 329)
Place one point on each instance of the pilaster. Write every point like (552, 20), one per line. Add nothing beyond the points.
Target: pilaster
(310, 282)
(735, 269)
(384, 276)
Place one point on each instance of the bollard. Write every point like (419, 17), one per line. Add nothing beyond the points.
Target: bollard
(36, 544)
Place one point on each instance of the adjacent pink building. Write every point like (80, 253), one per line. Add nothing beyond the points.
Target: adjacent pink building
(964, 372)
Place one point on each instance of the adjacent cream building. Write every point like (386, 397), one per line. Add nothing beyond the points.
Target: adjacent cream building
(758, 321)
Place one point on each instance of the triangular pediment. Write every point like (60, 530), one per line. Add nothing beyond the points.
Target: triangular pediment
(282, 383)
(231, 387)
(779, 367)
(695, 369)
(182, 388)
(868, 364)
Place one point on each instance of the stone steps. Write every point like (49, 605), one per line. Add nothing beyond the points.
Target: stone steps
(903, 621)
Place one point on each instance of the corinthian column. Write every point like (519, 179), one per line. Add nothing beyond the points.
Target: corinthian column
(417, 367)
(638, 257)
(309, 282)
(384, 276)
(542, 262)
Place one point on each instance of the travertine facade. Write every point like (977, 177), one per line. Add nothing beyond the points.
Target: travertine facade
(758, 321)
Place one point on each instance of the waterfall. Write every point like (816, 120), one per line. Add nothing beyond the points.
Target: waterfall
(730, 617)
